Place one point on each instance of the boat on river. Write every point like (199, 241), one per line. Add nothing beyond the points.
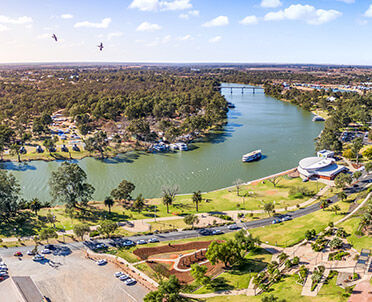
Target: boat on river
(251, 156)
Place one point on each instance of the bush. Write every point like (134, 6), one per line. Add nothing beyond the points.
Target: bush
(341, 233)
(222, 216)
(94, 233)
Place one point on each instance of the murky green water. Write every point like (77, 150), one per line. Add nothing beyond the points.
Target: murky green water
(284, 132)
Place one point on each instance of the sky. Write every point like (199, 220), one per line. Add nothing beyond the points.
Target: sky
(172, 31)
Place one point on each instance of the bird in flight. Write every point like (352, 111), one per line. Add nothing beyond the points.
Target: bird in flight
(100, 46)
(54, 37)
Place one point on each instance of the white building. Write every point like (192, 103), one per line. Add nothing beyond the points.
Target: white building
(319, 167)
(325, 153)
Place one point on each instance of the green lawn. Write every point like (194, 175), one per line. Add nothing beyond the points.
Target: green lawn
(291, 232)
(289, 290)
(358, 242)
(239, 277)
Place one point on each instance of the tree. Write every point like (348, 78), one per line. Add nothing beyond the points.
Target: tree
(139, 127)
(357, 144)
(196, 199)
(191, 219)
(357, 175)
(198, 273)
(335, 243)
(97, 142)
(35, 205)
(269, 207)
(272, 298)
(107, 227)
(367, 153)
(169, 194)
(123, 191)
(237, 183)
(81, 229)
(274, 180)
(139, 203)
(9, 195)
(68, 184)
(109, 202)
(168, 291)
(310, 234)
(283, 256)
(368, 167)
(50, 145)
(15, 149)
(336, 208)
(47, 233)
(348, 153)
(342, 179)
(341, 195)
(243, 244)
(324, 204)
(221, 252)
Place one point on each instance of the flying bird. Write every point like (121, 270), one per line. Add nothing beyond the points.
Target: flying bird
(100, 46)
(54, 37)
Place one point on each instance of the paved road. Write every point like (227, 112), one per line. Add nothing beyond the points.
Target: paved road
(362, 184)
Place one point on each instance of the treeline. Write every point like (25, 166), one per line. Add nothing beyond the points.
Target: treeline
(341, 107)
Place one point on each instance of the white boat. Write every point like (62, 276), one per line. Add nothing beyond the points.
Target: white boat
(182, 146)
(318, 118)
(254, 155)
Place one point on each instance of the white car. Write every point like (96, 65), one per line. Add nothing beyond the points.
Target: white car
(123, 277)
(233, 227)
(141, 241)
(101, 262)
(46, 251)
(130, 281)
(118, 274)
(153, 240)
(30, 253)
(38, 257)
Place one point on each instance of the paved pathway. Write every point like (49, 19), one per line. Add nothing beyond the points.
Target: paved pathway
(362, 292)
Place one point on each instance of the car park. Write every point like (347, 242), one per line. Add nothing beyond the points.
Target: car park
(101, 262)
(153, 240)
(141, 241)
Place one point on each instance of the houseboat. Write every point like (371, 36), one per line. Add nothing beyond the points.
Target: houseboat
(254, 155)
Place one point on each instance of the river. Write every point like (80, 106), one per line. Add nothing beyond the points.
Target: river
(284, 133)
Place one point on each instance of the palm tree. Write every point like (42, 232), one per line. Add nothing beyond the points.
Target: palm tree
(197, 198)
(35, 205)
(109, 202)
(167, 200)
(342, 195)
(324, 204)
(336, 208)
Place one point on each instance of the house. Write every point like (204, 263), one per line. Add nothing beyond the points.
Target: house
(319, 167)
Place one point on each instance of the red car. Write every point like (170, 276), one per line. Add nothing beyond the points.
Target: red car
(18, 254)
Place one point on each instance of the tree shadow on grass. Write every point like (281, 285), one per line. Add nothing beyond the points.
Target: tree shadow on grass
(220, 283)
(23, 225)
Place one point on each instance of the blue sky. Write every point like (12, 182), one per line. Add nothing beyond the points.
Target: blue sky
(265, 31)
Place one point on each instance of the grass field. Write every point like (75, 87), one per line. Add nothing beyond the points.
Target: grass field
(289, 290)
(358, 242)
(291, 232)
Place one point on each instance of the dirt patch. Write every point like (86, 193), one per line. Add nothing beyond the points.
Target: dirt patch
(185, 277)
(272, 192)
(145, 252)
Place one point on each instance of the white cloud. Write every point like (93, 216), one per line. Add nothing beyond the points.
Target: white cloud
(43, 36)
(67, 16)
(166, 39)
(368, 13)
(3, 28)
(155, 5)
(19, 20)
(215, 39)
(191, 13)
(146, 26)
(219, 21)
(306, 13)
(270, 3)
(347, 1)
(185, 38)
(103, 24)
(114, 35)
(249, 20)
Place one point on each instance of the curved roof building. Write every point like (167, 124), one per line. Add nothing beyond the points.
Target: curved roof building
(320, 167)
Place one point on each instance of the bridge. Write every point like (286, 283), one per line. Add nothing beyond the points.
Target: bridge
(243, 88)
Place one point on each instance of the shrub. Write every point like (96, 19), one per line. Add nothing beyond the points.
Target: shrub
(94, 233)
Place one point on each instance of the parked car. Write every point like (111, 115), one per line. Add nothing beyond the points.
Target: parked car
(233, 227)
(130, 281)
(101, 262)
(286, 218)
(31, 253)
(46, 251)
(123, 277)
(18, 254)
(277, 220)
(100, 246)
(205, 232)
(3, 274)
(38, 257)
(118, 274)
(50, 247)
(128, 242)
(141, 241)
(153, 240)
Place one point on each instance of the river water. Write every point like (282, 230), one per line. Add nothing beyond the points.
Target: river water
(284, 133)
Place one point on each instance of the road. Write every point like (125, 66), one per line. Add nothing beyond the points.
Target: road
(362, 184)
